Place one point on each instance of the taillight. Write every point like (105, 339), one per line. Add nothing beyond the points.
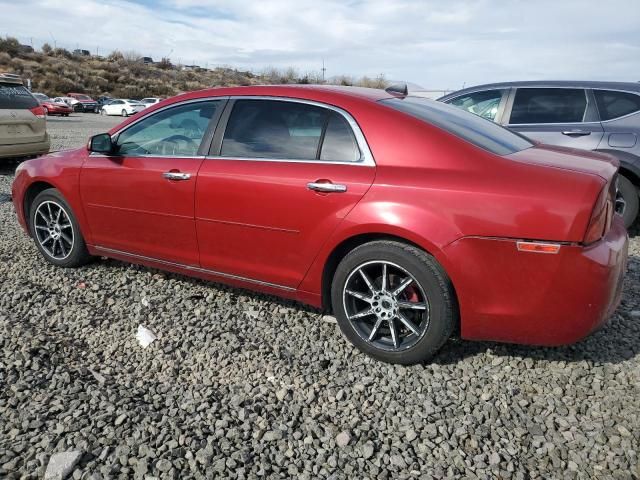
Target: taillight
(38, 111)
(600, 218)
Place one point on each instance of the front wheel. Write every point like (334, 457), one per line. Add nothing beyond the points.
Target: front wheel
(55, 230)
(124, 113)
(629, 193)
(394, 302)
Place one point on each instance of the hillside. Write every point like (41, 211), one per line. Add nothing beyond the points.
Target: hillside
(57, 71)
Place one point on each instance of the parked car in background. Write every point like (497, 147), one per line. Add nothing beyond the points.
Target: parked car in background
(82, 102)
(23, 124)
(100, 102)
(408, 218)
(68, 100)
(599, 116)
(147, 102)
(121, 106)
(52, 107)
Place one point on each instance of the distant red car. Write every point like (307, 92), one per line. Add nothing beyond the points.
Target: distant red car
(411, 220)
(82, 102)
(52, 108)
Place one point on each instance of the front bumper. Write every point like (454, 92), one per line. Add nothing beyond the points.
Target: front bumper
(532, 298)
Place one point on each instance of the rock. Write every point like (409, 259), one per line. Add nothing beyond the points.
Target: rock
(62, 464)
(343, 439)
(368, 450)
(329, 319)
(120, 419)
(411, 435)
(281, 394)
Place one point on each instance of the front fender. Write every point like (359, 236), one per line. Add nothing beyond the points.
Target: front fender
(61, 170)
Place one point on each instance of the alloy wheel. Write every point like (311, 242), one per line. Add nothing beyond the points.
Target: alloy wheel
(54, 230)
(386, 305)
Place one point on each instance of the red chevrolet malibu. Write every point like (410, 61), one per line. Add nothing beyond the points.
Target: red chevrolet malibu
(409, 219)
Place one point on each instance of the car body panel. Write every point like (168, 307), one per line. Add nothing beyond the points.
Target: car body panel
(258, 218)
(131, 207)
(254, 224)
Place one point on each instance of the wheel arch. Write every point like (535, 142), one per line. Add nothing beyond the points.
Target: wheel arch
(30, 194)
(354, 241)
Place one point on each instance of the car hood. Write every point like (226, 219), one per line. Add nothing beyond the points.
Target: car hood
(600, 164)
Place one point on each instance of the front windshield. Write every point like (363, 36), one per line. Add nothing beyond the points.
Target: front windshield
(83, 97)
(41, 97)
(470, 127)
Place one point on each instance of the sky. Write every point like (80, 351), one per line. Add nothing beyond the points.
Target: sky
(443, 44)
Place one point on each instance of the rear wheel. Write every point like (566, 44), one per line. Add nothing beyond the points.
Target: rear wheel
(124, 113)
(55, 230)
(629, 193)
(394, 302)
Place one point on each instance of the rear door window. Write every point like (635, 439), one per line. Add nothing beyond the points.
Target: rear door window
(13, 96)
(548, 105)
(613, 104)
(273, 129)
(484, 104)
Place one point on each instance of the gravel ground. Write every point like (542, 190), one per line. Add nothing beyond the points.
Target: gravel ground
(242, 385)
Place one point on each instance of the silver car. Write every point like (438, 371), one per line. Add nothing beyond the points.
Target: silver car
(599, 116)
(23, 123)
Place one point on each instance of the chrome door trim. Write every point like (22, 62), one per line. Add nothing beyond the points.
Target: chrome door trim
(194, 269)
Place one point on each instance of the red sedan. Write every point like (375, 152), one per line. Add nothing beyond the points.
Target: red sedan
(52, 107)
(409, 219)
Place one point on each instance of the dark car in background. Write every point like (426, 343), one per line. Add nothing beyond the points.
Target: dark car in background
(598, 116)
(101, 102)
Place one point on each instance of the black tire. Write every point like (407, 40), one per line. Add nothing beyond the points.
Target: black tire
(75, 256)
(629, 193)
(124, 113)
(428, 277)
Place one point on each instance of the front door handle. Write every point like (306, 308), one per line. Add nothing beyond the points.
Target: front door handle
(576, 133)
(176, 176)
(326, 187)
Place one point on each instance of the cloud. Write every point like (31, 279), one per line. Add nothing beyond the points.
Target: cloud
(432, 43)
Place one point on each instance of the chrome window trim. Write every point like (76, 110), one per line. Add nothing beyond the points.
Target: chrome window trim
(193, 268)
(586, 108)
(366, 157)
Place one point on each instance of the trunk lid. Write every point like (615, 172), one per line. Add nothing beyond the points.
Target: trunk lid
(602, 165)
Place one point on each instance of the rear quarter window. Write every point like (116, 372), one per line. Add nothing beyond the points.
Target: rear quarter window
(613, 104)
(467, 126)
(13, 96)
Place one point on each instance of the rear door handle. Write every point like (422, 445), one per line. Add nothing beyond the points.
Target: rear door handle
(326, 187)
(176, 176)
(576, 133)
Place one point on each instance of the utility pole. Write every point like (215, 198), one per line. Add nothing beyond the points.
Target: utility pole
(323, 70)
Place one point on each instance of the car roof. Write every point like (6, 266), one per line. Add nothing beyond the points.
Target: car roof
(294, 91)
(626, 86)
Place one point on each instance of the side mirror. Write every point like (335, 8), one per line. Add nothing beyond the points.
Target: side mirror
(100, 143)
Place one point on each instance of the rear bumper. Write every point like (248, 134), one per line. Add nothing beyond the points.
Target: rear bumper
(532, 298)
(25, 149)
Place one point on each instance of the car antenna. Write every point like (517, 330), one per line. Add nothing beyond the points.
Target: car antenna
(401, 89)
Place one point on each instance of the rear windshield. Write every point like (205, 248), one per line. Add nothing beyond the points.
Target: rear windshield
(83, 97)
(14, 96)
(472, 128)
